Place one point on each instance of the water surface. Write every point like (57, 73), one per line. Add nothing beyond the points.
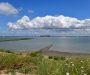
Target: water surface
(64, 44)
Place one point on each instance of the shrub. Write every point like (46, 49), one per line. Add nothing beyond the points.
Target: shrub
(25, 69)
(50, 57)
(62, 58)
(8, 51)
(13, 72)
(34, 54)
(56, 58)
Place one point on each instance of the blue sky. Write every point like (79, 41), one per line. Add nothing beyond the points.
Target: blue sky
(79, 9)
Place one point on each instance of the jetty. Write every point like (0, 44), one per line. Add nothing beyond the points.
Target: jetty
(46, 48)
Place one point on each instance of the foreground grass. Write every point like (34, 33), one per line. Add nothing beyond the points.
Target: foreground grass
(36, 63)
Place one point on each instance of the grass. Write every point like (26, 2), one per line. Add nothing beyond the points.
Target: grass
(17, 39)
(36, 63)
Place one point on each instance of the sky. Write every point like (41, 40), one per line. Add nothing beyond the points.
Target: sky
(45, 17)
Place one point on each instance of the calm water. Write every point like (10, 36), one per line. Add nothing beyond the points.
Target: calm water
(66, 44)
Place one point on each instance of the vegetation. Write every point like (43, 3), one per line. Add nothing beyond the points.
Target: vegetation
(17, 39)
(36, 63)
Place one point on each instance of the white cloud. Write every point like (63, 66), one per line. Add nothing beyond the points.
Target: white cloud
(30, 11)
(49, 22)
(7, 9)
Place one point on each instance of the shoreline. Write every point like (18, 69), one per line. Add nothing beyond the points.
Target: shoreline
(47, 51)
(59, 53)
(50, 53)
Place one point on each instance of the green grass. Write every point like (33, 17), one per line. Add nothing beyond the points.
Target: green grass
(36, 63)
(72, 66)
(17, 39)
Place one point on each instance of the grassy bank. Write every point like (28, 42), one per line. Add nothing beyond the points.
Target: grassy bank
(17, 39)
(36, 63)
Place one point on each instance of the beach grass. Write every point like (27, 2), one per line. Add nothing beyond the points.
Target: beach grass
(36, 63)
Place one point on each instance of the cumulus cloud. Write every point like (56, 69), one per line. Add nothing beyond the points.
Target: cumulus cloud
(49, 22)
(7, 9)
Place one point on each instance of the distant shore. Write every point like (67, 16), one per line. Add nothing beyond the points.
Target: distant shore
(17, 39)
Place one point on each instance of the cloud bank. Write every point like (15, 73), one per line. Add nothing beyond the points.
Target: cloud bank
(7, 9)
(49, 22)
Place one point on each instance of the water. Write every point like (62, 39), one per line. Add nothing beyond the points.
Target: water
(64, 44)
